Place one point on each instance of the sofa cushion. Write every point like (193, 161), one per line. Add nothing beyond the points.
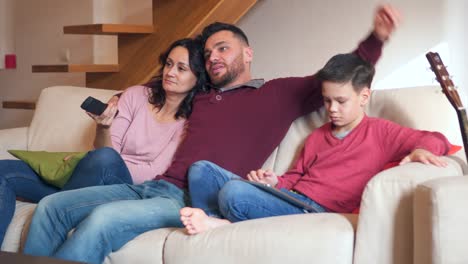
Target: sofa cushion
(12, 138)
(307, 238)
(433, 112)
(287, 151)
(145, 248)
(59, 124)
(17, 229)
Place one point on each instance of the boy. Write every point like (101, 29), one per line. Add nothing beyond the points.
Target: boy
(336, 163)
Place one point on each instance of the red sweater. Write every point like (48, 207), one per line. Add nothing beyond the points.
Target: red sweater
(334, 172)
(238, 129)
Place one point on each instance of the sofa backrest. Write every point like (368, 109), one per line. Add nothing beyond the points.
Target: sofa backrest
(424, 108)
(59, 124)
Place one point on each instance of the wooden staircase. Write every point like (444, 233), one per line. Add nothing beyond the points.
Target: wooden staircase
(139, 46)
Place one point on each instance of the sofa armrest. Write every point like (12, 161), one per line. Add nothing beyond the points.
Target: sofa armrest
(13, 138)
(385, 227)
(440, 221)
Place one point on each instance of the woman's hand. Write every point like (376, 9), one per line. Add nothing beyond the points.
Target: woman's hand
(106, 118)
(263, 176)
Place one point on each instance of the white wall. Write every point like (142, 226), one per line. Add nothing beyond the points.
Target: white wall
(290, 38)
(294, 38)
(39, 39)
(455, 26)
(6, 30)
(298, 38)
(117, 12)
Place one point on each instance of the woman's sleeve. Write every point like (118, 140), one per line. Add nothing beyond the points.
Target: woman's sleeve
(127, 109)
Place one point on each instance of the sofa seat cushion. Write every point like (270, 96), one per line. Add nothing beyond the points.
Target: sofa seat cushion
(17, 229)
(59, 124)
(318, 238)
(145, 248)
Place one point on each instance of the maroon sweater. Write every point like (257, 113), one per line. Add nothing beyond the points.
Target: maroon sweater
(334, 172)
(239, 128)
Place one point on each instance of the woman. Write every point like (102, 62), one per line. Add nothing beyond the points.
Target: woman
(146, 132)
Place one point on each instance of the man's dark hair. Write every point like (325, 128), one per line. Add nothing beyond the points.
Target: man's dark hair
(349, 67)
(215, 27)
(197, 66)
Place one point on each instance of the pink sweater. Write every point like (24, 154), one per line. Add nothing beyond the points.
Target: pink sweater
(334, 172)
(146, 145)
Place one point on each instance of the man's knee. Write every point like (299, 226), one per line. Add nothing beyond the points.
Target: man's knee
(103, 218)
(231, 199)
(232, 191)
(48, 206)
(199, 170)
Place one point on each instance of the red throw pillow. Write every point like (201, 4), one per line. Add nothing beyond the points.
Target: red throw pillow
(453, 149)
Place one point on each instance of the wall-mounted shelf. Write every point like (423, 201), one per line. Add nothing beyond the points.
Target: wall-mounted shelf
(19, 105)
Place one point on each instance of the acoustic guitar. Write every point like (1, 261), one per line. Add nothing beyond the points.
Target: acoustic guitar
(451, 93)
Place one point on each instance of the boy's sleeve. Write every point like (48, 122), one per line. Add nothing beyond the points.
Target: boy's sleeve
(401, 141)
(303, 162)
(292, 176)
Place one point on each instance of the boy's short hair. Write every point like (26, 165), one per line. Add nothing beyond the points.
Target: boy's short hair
(348, 67)
(215, 27)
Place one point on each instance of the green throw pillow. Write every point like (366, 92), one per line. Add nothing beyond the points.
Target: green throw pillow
(51, 166)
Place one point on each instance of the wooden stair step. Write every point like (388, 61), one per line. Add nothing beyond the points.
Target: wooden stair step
(19, 105)
(108, 29)
(76, 68)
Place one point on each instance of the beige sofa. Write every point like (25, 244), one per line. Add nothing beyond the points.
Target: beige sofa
(381, 233)
(441, 221)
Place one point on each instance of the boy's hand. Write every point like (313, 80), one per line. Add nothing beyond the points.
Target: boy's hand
(424, 156)
(263, 176)
(386, 20)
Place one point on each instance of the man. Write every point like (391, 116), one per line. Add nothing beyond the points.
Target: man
(226, 124)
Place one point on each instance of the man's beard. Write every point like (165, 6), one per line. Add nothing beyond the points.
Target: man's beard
(232, 73)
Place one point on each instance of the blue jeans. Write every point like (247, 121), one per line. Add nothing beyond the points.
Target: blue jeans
(104, 218)
(215, 190)
(99, 167)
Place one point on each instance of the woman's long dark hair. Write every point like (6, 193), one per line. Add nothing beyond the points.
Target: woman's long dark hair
(197, 66)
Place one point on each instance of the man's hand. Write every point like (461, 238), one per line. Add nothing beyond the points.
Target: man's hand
(386, 20)
(425, 157)
(263, 176)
